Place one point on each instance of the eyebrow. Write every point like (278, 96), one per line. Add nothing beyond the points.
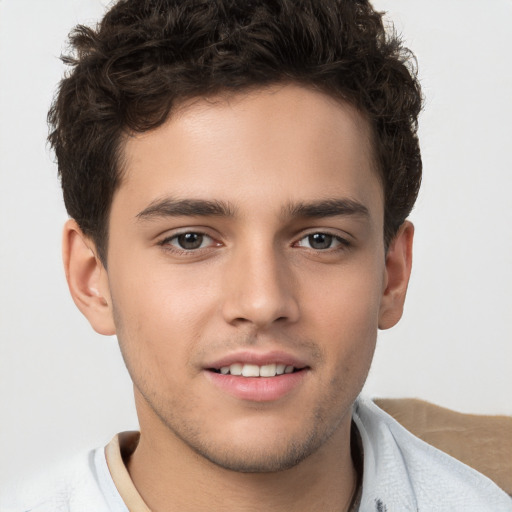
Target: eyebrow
(169, 207)
(327, 208)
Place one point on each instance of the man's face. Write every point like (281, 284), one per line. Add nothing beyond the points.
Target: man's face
(247, 235)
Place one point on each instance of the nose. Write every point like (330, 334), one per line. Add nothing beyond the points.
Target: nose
(260, 289)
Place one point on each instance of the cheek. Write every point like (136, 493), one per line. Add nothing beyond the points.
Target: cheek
(342, 312)
(159, 293)
(159, 316)
(345, 300)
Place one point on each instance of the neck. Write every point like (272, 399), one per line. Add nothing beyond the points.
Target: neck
(169, 475)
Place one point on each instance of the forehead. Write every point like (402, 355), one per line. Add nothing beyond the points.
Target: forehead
(280, 144)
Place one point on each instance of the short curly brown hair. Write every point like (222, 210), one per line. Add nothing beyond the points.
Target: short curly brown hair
(147, 56)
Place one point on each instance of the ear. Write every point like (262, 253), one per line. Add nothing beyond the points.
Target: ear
(397, 273)
(87, 279)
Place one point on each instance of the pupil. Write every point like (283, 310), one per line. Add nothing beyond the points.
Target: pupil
(190, 240)
(320, 241)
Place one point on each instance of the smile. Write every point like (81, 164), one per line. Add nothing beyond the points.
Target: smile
(254, 370)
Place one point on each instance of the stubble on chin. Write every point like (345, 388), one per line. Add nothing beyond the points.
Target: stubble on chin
(282, 453)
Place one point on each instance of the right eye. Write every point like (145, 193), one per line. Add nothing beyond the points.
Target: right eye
(189, 241)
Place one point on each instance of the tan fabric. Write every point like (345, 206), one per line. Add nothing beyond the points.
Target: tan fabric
(482, 442)
(116, 453)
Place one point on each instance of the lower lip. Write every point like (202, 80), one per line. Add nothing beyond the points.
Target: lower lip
(257, 389)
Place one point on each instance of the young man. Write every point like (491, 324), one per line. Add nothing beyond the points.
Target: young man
(238, 176)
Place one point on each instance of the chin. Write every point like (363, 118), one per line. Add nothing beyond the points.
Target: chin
(265, 449)
(258, 460)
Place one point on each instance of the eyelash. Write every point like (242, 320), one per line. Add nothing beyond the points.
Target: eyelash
(166, 243)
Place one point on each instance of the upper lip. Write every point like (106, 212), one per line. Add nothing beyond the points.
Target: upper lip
(257, 358)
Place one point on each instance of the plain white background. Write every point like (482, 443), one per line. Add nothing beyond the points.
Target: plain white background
(63, 388)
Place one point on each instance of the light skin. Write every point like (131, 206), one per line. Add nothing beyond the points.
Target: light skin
(247, 226)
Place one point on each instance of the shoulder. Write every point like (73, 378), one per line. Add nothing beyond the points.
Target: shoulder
(70, 487)
(401, 472)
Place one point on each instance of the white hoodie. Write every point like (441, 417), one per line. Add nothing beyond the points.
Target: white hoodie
(401, 474)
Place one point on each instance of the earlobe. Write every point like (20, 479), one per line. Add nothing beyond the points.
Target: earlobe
(87, 279)
(398, 271)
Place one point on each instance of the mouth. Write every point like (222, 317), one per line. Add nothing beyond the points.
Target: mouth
(256, 376)
(254, 370)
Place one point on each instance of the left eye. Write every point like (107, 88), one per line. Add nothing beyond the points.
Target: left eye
(189, 241)
(320, 241)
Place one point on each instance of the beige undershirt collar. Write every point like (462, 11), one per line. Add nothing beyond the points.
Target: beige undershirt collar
(117, 452)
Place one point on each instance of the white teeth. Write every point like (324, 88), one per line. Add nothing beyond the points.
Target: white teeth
(269, 370)
(253, 370)
(236, 369)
